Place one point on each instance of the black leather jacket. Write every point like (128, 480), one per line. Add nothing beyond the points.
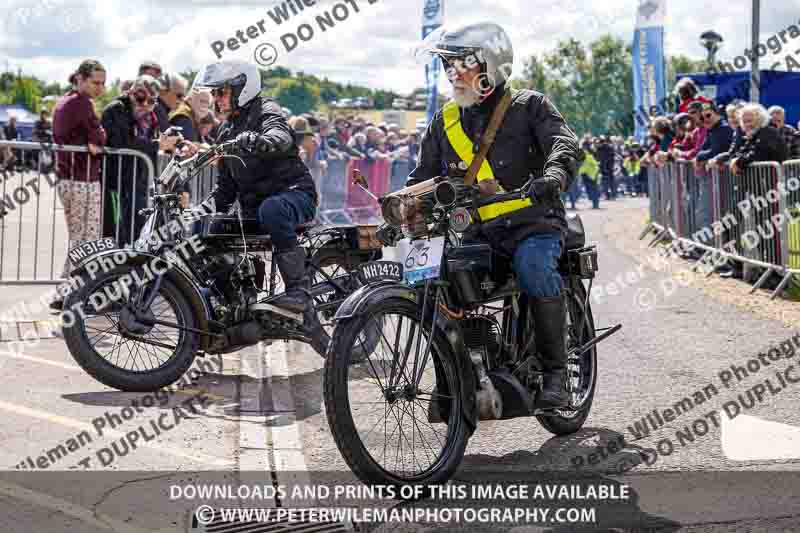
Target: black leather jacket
(533, 140)
(265, 174)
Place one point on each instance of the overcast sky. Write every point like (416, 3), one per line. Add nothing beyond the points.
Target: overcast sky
(49, 38)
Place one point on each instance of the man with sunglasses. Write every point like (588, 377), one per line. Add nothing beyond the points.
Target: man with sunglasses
(269, 180)
(533, 141)
(719, 135)
(130, 122)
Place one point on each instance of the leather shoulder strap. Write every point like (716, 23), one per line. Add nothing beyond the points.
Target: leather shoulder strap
(488, 138)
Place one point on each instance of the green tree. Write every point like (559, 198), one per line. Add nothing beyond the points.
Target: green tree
(103, 100)
(25, 91)
(297, 95)
(590, 86)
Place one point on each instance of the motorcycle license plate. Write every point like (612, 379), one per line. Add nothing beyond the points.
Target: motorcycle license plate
(381, 271)
(88, 249)
(421, 259)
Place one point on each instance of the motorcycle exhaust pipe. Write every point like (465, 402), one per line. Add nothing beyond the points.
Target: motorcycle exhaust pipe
(580, 350)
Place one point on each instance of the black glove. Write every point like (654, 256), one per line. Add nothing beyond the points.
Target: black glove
(246, 141)
(545, 189)
(249, 141)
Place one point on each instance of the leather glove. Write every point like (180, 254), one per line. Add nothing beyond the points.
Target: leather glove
(246, 141)
(249, 141)
(545, 189)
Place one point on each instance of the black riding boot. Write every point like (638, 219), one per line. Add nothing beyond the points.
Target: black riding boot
(549, 315)
(292, 265)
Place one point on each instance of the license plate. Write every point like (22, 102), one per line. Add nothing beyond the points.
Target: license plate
(88, 249)
(381, 271)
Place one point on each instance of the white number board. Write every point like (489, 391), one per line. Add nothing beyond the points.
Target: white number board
(421, 259)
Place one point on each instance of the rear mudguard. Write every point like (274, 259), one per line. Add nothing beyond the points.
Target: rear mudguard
(362, 299)
(183, 280)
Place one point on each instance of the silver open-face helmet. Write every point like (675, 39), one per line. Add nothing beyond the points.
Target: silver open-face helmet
(242, 77)
(484, 43)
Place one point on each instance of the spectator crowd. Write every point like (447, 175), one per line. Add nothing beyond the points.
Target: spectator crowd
(156, 104)
(102, 195)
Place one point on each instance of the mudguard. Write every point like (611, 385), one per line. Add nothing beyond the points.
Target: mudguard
(362, 299)
(177, 275)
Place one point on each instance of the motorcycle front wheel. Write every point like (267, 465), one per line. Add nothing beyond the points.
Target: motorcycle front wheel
(107, 340)
(396, 417)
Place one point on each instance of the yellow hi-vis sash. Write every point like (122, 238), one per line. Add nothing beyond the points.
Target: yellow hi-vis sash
(462, 144)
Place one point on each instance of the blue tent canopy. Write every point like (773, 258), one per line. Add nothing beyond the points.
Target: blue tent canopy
(25, 118)
(776, 88)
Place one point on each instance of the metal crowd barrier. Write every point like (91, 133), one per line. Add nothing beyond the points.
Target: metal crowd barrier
(340, 202)
(748, 217)
(32, 230)
(32, 235)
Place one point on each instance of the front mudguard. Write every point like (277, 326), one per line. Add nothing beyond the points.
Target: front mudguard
(362, 299)
(183, 280)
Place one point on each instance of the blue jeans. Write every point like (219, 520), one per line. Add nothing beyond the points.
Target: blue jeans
(280, 215)
(592, 190)
(536, 265)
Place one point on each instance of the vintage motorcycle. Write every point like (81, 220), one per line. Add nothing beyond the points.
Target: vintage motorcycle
(137, 317)
(457, 343)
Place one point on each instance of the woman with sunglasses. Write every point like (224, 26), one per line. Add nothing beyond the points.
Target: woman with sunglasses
(130, 122)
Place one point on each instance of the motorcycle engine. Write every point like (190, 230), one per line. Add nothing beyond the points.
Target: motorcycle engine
(237, 277)
(482, 338)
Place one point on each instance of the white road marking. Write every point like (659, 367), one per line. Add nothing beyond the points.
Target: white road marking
(749, 438)
(199, 458)
(287, 439)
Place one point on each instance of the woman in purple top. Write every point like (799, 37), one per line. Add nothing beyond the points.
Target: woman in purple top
(76, 123)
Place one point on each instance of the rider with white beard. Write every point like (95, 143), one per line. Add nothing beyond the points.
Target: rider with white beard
(533, 141)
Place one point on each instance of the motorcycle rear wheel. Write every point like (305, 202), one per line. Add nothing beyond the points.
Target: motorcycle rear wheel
(581, 370)
(327, 298)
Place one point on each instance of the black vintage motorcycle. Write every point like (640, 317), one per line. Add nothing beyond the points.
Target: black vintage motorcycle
(139, 316)
(457, 343)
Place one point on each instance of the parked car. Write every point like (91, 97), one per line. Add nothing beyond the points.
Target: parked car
(362, 102)
(400, 103)
(344, 103)
(422, 123)
(421, 102)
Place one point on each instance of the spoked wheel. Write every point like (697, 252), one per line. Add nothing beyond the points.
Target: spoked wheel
(581, 369)
(124, 350)
(397, 416)
(327, 298)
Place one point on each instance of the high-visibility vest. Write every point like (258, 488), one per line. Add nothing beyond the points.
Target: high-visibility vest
(463, 146)
(632, 166)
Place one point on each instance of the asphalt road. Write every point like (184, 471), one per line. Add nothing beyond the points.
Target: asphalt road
(261, 418)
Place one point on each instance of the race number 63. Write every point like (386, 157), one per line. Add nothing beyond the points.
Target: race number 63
(418, 256)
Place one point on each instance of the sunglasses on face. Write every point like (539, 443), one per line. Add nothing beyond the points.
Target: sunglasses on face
(144, 99)
(218, 92)
(707, 116)
(180, 96)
